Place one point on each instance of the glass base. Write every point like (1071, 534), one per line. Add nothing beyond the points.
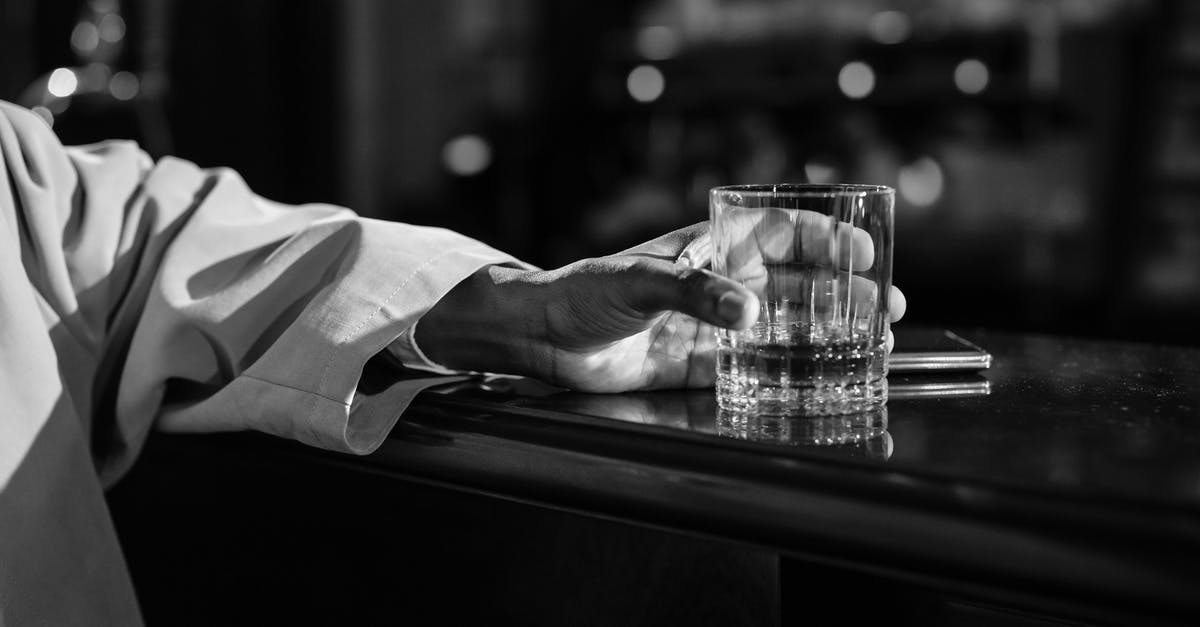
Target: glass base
(743, 395)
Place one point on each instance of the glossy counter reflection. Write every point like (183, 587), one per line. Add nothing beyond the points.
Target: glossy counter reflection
(857, 435)
(1062, 414)
(1064, 480)
(863, 435)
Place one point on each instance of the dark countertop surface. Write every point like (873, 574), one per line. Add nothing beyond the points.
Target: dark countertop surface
(1074, 418)
(1064, 480)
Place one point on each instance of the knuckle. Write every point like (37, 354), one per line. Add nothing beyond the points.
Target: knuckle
(635, 266)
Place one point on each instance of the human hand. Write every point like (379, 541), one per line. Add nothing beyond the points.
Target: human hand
(813, 269)
(638, 319)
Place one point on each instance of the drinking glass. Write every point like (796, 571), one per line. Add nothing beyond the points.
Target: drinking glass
(819, 258)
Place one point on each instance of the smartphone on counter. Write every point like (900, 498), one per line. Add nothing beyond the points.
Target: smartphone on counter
(935, 350)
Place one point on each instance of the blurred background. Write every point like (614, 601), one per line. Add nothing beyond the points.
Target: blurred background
(1046, 153)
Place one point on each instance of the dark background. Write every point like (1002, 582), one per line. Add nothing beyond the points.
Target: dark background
(1058, 194)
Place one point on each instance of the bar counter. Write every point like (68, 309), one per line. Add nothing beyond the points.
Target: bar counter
(1063, 483)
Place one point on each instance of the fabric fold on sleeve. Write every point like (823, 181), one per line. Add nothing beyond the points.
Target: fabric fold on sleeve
(175, 296)
(382, 278)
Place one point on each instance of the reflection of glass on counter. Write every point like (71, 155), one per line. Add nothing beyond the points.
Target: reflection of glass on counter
(861, 435)
(864, 434)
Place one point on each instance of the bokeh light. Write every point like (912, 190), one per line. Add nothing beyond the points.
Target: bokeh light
(971, 76)
(123, 86)
(889, 27)
(467, 155)
(922, 182)
(856, 80)
(820, 172)
(657, 43)
(62, 83)
(93, 77)
(645, 83)
(85, 37)
(45, 114)
(112, 28)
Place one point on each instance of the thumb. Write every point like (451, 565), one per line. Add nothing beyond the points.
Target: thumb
(657, 285)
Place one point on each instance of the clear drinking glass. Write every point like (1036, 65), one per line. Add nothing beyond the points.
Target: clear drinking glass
(819, 257)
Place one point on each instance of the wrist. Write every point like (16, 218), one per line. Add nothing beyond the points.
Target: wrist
(487, 323)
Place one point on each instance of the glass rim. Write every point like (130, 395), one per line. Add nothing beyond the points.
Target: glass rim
(811, 190)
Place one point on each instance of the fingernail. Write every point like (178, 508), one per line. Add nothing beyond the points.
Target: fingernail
(730, 306)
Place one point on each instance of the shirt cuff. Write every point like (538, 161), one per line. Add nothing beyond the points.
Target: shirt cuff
(404, 349)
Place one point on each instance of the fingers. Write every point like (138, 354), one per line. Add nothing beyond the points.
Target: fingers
(772, 236)
(821, 239)
(897, 305)
(749, 239)
(823, 296)
(671, 245)
(657, 286)
(698, 254)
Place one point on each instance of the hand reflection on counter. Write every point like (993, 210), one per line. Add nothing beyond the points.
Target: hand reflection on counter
(862, 435)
